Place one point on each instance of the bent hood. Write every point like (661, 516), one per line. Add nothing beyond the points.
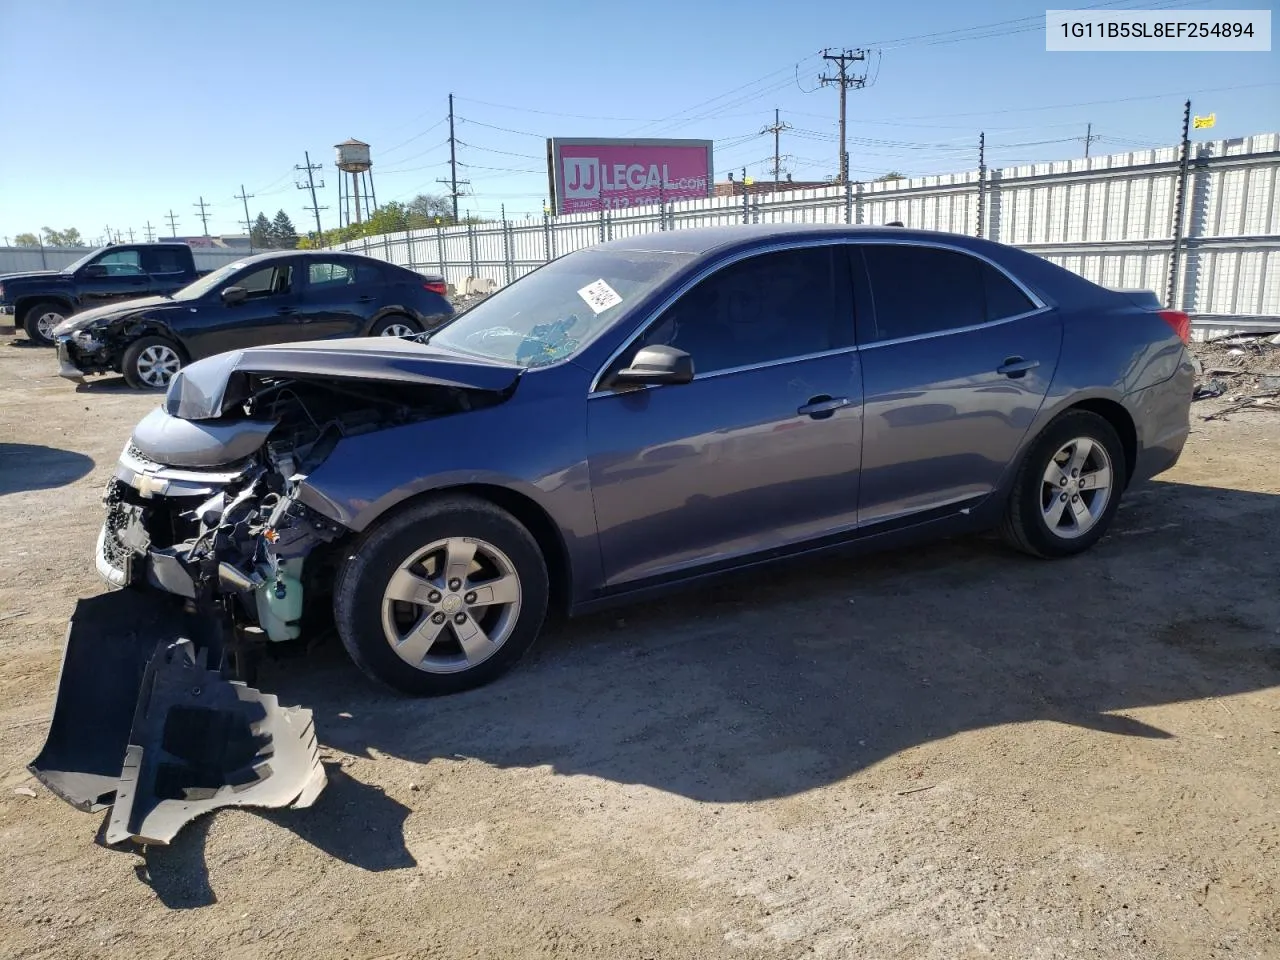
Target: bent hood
(206, 388)
(112, 311)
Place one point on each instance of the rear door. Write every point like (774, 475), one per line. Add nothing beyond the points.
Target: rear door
(761, 450)
(167, 269)
(339, 297)
(117, 275)
(957, 360)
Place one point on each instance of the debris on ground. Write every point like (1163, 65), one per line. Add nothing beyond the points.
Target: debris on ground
(1242, 368)
(25, 792)
(1210, 388)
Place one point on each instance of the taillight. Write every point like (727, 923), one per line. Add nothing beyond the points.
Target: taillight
(1180, 322)
(439, 288)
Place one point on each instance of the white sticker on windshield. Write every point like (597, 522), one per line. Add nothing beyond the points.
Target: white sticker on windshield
(599, 296)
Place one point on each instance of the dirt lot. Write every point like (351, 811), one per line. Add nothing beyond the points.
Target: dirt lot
(949, 753)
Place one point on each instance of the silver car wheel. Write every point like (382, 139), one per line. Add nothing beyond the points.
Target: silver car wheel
(46, 323)
(157, 364)
(451, 605)
(1076, 488)
(398, 330)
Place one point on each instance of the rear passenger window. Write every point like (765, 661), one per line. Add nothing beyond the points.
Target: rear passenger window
(162, 260)
(921, 290)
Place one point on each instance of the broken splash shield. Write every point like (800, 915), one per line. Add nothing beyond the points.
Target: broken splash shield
(141, 722)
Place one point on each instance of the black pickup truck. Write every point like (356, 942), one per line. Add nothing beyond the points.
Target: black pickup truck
(40, 301)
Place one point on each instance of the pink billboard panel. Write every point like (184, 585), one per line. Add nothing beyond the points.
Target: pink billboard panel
(591, 175)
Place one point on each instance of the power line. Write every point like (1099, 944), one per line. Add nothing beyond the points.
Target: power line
(453, 181)
(844, 80)
(204, 216)
(405, 143)
(778, 126)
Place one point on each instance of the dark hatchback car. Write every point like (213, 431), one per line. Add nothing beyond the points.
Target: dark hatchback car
(642, 414)
(270, 298)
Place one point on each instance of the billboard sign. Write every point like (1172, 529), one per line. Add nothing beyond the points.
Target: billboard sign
(587, 175)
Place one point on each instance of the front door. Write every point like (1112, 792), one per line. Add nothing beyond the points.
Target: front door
(266, 315)
(761, 449)
(957, 360)
(114, 276)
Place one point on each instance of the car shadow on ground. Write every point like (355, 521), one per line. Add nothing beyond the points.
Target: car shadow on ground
(26, 466)
(110, 384)
(775, 683)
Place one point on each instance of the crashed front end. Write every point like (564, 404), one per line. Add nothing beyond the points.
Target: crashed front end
(85, 352)
(208, 535)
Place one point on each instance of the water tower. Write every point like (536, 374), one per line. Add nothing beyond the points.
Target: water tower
(353, 160)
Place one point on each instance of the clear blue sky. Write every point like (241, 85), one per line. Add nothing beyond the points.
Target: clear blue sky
(116, 113)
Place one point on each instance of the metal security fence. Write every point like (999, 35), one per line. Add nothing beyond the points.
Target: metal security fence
(1107, 218)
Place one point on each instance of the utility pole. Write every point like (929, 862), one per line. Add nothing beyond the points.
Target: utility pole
(315, 207)
(844, 79)
(150, 232)
(1179, 203)
(204, 216)
(453, 181)
(1088, 139)
(173, 224)
(131, 234)
(248, 224)
(108, 228)
(776, 129)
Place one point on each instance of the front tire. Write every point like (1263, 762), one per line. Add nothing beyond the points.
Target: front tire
(40, 320)
(150, 363)
(1067, 489)
(443, 597)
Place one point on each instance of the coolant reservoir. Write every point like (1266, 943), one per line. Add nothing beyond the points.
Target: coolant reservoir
(279, 602)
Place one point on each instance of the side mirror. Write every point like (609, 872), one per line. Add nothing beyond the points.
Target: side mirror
(94, 271)
(233, 295)
(656, 365)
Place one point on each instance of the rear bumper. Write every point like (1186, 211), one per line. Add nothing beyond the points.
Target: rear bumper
(1162, 414)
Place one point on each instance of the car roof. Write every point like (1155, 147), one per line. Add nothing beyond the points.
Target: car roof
(705, 240)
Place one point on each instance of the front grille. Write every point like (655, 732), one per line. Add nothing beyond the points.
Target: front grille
(114, 552)
(141, 457)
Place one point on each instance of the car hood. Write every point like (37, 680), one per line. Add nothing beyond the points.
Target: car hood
(207, 388)
(110, 312)
(31, 274)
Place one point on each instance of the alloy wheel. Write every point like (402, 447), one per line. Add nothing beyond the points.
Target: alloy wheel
(451, 605)
(47, 321)
(398, 330)
(1076, 488)
(157, 364)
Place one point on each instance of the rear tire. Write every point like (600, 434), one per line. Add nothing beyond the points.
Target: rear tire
(1067, 488)
(40, 319)
(469, 620)
(396, 325)
(150, 363)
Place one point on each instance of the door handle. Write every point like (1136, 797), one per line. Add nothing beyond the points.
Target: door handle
(285, 311)
(365, 299)
(822, 407)
(1015, 367)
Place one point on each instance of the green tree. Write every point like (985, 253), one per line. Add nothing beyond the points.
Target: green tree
(426, 209)
(283, 235)
(260, 233)
(26, 240)
(71, 238)
(891, 176)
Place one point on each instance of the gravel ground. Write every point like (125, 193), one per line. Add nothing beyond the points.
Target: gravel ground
(950, 752)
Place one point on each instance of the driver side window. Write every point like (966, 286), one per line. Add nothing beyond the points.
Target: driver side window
(267, 282)
(119, 263)
(764, 309)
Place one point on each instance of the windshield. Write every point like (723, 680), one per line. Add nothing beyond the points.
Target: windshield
(558, 309)
(73, 267)
(196, 290)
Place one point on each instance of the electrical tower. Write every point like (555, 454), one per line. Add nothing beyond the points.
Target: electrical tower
(315, 208)
(453, 181)
(204, 216)
(151, 235)
(173, 224)
(776, 130)
(844, 79)
(248, 223)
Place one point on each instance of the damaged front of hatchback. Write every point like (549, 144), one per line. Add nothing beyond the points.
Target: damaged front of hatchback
(213, 534)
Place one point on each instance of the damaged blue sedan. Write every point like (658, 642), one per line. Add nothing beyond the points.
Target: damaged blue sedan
(638, 415)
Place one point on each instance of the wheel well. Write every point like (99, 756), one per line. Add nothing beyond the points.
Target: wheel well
(390, 314)
(535, 520)
(20, 309)
(1122, 423)
(160, 333)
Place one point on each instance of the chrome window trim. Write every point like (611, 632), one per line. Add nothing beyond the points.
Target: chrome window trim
(778, 246)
